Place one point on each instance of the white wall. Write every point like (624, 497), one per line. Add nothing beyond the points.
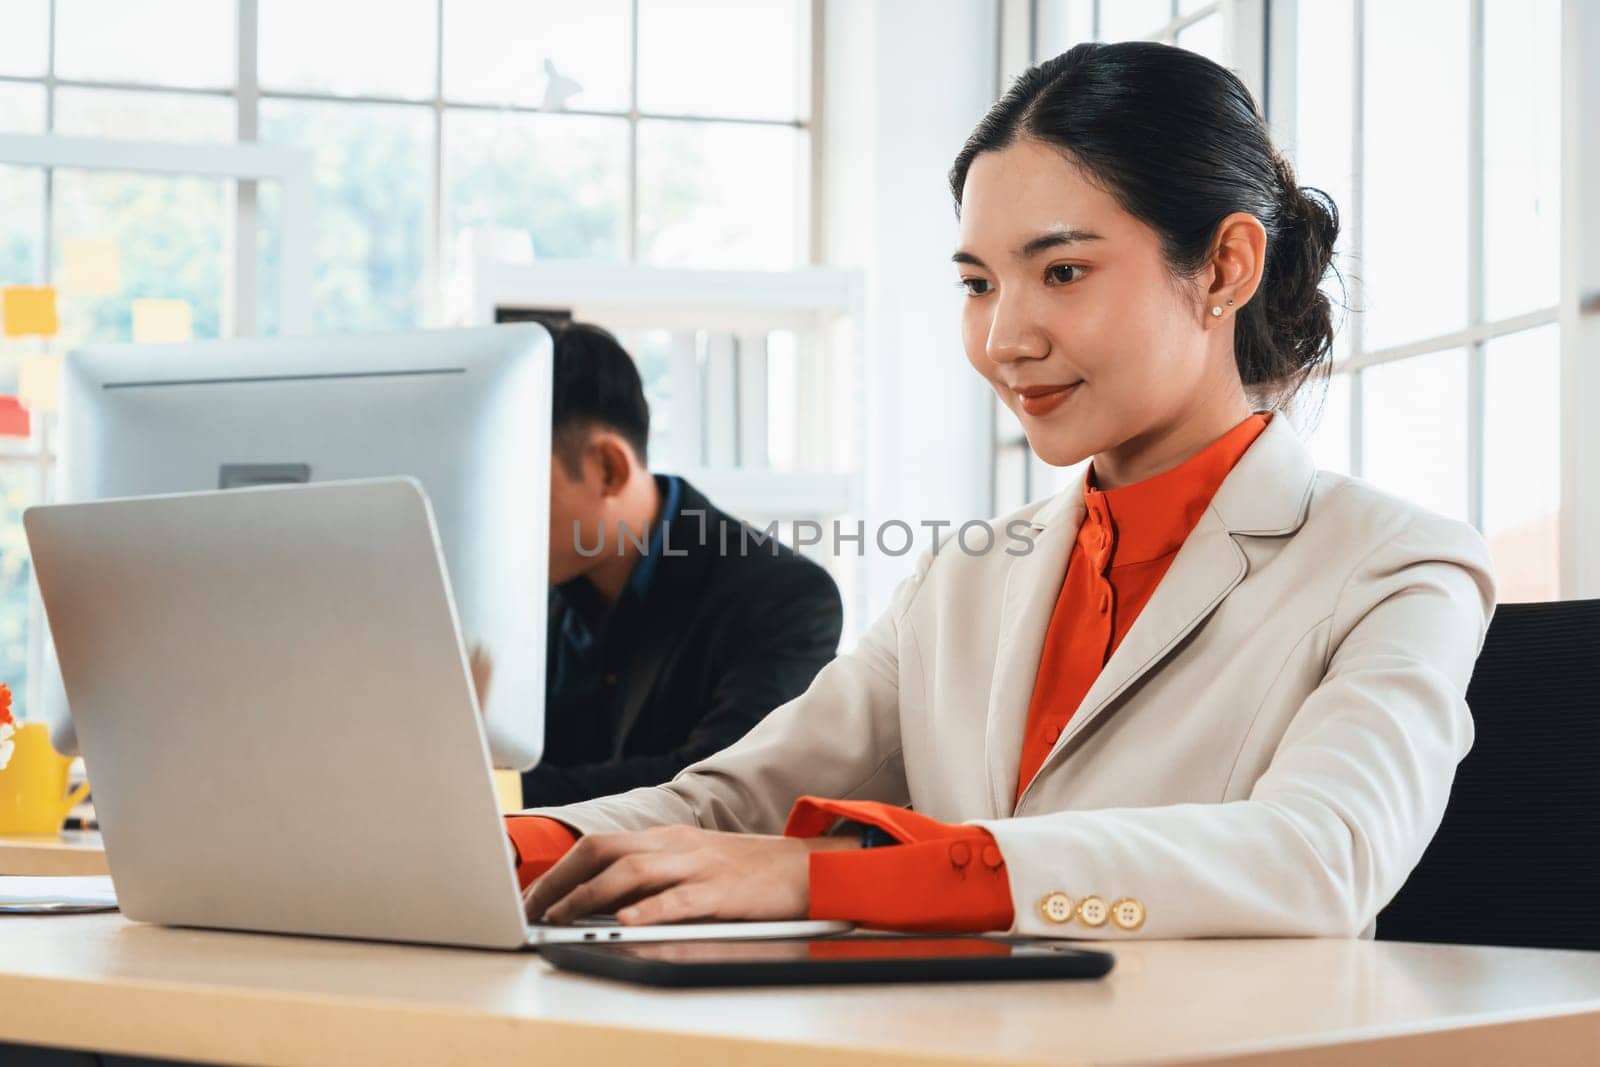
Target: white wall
(904, 83)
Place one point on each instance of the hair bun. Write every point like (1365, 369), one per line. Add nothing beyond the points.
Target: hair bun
(1299, 313)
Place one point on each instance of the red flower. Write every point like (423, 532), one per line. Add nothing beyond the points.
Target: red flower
(5, 704)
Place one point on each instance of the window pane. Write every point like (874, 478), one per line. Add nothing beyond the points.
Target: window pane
(18, 490)
(160, 42)
(269, 279)
(1522, 462)
(1060, 24)
(1048, 480)
(172, 233)
(714, 195)
(372, 168)
(561, 179)
(1522, 155)
(1206, 38)
(735, 58)
(22, 191)
(25, 44)
(497, 53)
(1125, 20)
(652, 354)
(1186, 7)
(1010, 477)
(1415, 232)
(1321, 413)
(353, 47)
(145, 116)
(1324, 128)
(21, 108)
(1414, 430)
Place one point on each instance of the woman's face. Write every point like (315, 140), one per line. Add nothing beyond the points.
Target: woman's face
(1073, 317)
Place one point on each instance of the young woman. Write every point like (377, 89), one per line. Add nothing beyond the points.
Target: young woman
(1219, 692)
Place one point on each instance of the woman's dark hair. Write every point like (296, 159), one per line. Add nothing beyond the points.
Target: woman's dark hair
(595, 384)
(1177, 140)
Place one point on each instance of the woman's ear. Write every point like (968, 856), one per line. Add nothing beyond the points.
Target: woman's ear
(1238, 256)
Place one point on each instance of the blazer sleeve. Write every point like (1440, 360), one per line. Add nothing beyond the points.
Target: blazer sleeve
(840, 738)
(790, 630)
(1352, 795)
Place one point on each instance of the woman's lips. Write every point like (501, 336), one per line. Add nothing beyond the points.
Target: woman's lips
(1041, 402)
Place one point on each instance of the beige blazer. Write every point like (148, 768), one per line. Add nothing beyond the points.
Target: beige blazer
(1267, 752)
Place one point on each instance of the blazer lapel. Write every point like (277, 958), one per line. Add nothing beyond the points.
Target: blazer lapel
(657, 629)
(1268, 493)
(1033, 584)
(653, 644)
(1204, 571)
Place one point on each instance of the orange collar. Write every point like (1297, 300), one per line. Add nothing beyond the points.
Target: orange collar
(1151, 518)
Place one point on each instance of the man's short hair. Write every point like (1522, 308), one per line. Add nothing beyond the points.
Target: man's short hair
(596, 385)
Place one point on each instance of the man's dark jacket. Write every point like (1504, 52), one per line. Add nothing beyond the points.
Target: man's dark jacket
(722, 636)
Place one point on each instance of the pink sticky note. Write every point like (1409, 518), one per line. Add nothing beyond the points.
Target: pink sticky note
(14, 421)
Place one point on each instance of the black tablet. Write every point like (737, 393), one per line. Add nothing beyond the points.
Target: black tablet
(804, 961)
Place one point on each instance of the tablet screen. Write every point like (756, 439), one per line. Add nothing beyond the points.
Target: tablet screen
(829, 948)
(848, 958)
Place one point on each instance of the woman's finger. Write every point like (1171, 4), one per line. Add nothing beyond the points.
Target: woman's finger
(591, 854)
(681, 903)
(640, 873)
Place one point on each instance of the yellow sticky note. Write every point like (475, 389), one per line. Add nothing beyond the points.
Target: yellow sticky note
(508, 787)
(29, 311)
(93, 268)
(39, 383)
(156, 321)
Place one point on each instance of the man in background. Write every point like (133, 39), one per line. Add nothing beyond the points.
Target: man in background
(673, 627)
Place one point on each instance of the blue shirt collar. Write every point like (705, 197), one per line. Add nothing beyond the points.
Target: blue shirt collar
(671, 488)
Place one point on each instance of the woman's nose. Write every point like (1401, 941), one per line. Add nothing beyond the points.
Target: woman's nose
(1013, 336)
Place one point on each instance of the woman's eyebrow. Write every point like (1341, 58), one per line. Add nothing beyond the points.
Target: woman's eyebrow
(1042, 243)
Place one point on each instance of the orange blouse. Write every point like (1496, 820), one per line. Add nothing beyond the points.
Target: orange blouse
(1128, 539)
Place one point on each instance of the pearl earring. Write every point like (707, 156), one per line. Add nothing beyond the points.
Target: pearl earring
(1216, 312)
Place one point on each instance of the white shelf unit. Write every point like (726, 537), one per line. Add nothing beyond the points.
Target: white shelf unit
(717, 325)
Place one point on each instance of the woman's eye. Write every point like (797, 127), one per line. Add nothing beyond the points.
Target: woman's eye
(1056, 273)
(975, 286)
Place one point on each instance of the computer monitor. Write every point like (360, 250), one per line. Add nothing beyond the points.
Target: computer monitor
(465, 411)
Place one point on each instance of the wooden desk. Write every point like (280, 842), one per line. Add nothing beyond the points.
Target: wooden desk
(73, 852)
(100, 982)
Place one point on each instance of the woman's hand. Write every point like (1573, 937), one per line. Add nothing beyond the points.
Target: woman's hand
(679, 873)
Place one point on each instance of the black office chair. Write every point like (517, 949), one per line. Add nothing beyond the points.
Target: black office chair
(1517, 858)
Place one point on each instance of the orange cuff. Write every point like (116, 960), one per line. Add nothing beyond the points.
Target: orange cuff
(539, 843)
(943, 878)
(813, 816)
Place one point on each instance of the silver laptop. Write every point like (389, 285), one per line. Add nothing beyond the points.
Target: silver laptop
(274, 706)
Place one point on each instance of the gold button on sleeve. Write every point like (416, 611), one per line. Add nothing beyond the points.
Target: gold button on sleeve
(1128, 914)
(1092, 911)
(1056, 908)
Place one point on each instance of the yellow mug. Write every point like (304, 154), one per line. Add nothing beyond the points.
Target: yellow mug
(33, 786)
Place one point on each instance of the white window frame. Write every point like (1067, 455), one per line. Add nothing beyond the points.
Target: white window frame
(1580, 299)
(242, 163)
(248, 93)
(1579, 566)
